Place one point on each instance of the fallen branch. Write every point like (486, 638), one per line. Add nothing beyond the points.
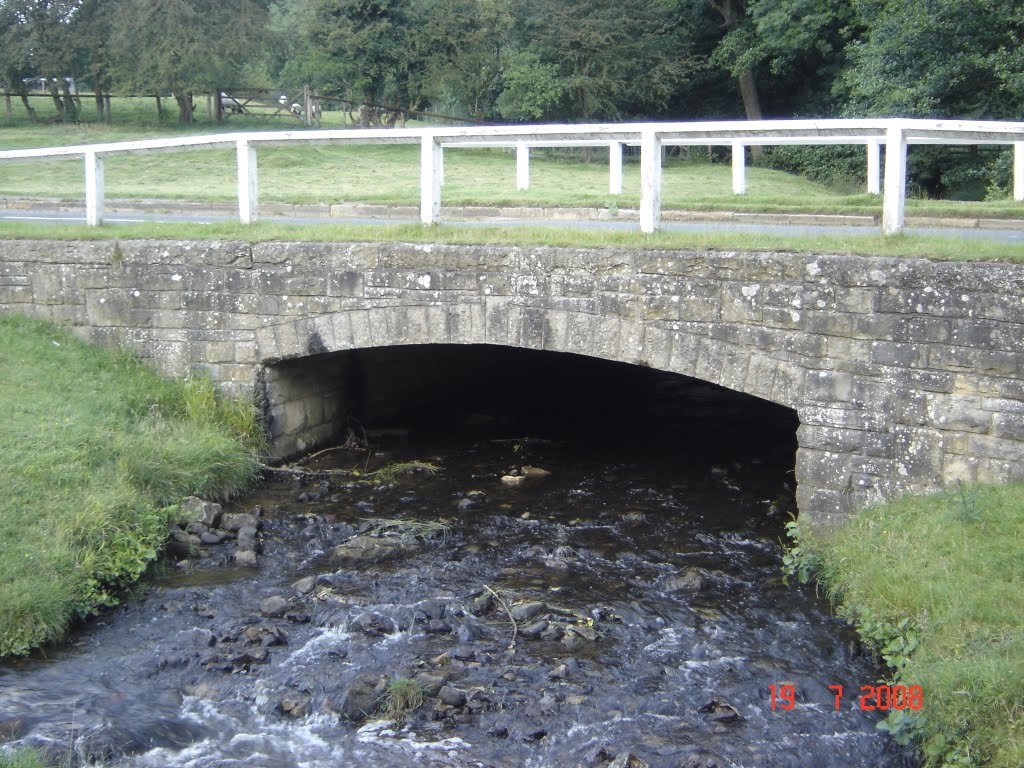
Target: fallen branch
(515, 626)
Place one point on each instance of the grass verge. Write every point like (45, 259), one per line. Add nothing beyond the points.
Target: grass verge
(936, 585)
(97, 448)
(854, 243)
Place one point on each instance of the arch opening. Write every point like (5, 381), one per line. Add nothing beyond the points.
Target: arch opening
(451, 390)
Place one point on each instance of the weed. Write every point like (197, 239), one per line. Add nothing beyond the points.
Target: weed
(389, 473)
(423, 529)
(962, 504)
(402, 697)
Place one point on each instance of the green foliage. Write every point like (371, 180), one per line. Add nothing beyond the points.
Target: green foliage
(939, 58)
(531, 90)
(22, 758)
(832, 165)
(98, 447)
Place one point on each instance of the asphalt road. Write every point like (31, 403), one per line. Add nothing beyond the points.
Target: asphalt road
(805, 230)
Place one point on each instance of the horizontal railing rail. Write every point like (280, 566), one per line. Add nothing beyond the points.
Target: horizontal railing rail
(892, 133)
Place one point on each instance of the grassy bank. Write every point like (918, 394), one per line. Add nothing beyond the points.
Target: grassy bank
(95, 448)
(937, 584)
(857, 242)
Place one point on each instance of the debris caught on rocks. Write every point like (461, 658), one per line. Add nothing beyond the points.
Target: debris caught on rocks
(720, 712)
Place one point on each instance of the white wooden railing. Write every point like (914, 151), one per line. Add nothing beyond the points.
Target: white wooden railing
(894, 134)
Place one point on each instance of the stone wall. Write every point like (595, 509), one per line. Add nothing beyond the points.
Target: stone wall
(906, 374)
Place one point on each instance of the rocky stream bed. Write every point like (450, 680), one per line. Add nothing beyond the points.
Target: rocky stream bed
(528, 603)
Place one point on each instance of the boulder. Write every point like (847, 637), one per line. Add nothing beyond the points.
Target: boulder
(195, 510)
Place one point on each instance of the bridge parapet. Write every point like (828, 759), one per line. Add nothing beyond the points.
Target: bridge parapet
(906, 374)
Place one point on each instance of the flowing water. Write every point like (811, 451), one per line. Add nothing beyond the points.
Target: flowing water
(650, 622)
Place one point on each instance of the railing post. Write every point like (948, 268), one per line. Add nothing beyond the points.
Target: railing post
(650, 180)
(874, 167)
(615, 168)
(522, 166)
(739, 168)
(248, 185)
(1018, 171)
(94, 191)
(894, 199)
(440, 163)
(430, 179)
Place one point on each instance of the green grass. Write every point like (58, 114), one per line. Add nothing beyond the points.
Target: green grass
(96, 447)
(390, 175)
(951, 568)
(22, 758)
(858, 243)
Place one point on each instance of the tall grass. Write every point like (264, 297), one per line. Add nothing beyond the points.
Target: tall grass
(97, 449)
(938, 583)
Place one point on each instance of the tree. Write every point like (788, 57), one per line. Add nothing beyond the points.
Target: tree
(37, 44)
(370, 50)
(465, 44)
(614, 58)
(182, 46)
(937, 58)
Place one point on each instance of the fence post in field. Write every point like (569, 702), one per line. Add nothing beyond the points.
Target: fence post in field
(430, 179)
(894, 198)
(93, 189)
(739, 168)
(615, 168)
(307, 107)
(874, 167)
(522, 166)
(1018, 171)
(248, 185)
(650, 180)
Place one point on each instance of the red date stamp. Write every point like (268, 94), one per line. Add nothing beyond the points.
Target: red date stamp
(872, 697)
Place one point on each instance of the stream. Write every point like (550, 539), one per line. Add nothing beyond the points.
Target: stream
(527, 603)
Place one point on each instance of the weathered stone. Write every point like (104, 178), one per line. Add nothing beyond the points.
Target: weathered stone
(246, 558)
(248, 538)
(275, 605)
(371, 549)
(305, 585)
(195, 509)
(234, 522)
(453, 697)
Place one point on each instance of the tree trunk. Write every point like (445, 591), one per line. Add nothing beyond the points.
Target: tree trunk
(71, 104)
(58, 103)
(28, 107)
(185, 107)
(100, 103)
(730, 10)
(159, 108)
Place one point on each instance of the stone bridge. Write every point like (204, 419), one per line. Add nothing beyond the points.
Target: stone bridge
(906, 374)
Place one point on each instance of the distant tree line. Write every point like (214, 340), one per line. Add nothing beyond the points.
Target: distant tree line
(536, 60)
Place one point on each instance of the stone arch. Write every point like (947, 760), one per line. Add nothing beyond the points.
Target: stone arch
(715, 360)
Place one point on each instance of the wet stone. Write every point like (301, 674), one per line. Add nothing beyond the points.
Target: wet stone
(274, 606)
(305, 586)
(371, 549)
(211, 538)
(196, 510)
(234, 522)
(246, 558)
(526, 611)
(295, 704)
(248, 538)
(453, 697)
